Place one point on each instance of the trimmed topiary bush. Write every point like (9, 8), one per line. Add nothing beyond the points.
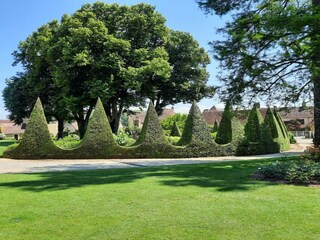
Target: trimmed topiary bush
(98, 140)
(284, 130)
(275, 130)
(224, 134)
(175, 131)
(252, 129)
(151, 132)
(152, 141)
(37, 142)
(196, 131)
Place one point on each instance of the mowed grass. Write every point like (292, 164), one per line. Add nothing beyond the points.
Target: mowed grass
(203, 201)
(4, 144)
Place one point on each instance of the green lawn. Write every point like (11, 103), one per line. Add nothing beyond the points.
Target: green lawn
(204, 201)
(4, 144)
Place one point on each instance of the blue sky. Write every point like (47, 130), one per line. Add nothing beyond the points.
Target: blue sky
(19, 18)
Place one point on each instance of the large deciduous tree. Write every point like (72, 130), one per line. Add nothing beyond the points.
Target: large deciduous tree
(272, 48)
(122, 54)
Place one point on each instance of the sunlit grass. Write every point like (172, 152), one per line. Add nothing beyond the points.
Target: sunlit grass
(204, 201)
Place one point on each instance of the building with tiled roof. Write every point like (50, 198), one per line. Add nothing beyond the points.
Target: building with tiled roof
(296, 119)
(138, 118)
(12, 130)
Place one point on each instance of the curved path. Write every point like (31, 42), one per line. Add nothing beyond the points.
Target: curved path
(31, 166)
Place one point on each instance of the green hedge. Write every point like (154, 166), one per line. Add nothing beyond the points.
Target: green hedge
(36, 142)
(98, 141)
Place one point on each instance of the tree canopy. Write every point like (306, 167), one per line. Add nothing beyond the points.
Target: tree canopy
(271, 49)
(122, 54)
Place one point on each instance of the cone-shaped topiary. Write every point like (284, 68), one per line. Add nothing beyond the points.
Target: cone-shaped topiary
(175, 131)
(224, 134)
(284, 130)
(151, 132)
(252, 129)
(196, 131)
(281, 124)
(274, 129)
(272, 124)
(98, 140)
(215, 126)
(36, 142)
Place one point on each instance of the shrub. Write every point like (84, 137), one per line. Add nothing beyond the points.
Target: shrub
(294, 172)
(123, 139)
(252, 129)
(312, 154)
(196, 131)
(274, 129)
(151, 132)
(98, 140)
(37, 142)
(175, 131)
(284, 130)
(224, 134)
(68, 142)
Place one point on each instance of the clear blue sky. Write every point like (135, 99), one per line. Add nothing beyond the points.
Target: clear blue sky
(19, 18)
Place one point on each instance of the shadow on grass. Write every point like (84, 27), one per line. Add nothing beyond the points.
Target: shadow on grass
(225, 177)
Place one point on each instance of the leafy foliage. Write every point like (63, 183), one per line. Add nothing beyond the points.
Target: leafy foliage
(294, 172)
(271, 50)
(68, 142)
(123, 54)
(168, 122)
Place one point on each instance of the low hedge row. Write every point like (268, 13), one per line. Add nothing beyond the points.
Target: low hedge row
(98, 141)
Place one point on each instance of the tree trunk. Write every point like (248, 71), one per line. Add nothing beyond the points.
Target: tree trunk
(81, 127)
(114, 112)
(83, 120)
(316, 77)
(316, 92)
(60, 128)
